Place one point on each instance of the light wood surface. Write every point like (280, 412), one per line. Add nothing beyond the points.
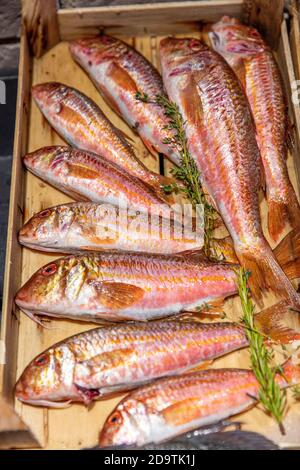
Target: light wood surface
(77, 426)
(13, 432)
(164, 18)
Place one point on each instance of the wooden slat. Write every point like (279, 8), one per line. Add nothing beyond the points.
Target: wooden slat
(40, 21)
(295, 36)
(165, 18)
(9, 331)
(266, 16)
(13, 432)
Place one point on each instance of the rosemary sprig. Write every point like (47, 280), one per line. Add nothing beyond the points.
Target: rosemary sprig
(270, 395)
(187, 172)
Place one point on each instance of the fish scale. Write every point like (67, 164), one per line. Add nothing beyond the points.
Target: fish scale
(82, 124)
(172, 406)
(86, 176)
(253, 62)
(119, 286)
(221, 138)
(119, 72)
(123, 356)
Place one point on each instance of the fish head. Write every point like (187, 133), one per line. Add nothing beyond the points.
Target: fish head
(180, 48)
(50, 97)
(93, 50)
(229, 37)
(53, 287)
(122, 427)
(47, 378)
(47, 227)
(180, 56)
(46, 160)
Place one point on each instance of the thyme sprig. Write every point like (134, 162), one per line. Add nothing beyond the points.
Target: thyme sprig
(270, 395)
(187, 172)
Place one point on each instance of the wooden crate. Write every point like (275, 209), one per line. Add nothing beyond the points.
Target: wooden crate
(44, 56)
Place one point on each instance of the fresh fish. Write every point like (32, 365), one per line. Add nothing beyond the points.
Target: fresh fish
(90, 226)
(126, 286)
(221, 138)
(83, 125)
(253, 61)
(115, 358)
(119, 72)
(171, 406)
(87, 176)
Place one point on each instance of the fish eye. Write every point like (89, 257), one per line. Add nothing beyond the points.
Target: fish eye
(44, 213)
(42, 360)
(115, 418)
(50, 269)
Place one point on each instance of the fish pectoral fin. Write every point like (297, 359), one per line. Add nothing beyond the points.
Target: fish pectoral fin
(121, 77)
(192, 102)
(106, 360)
(118, 295)
(182, 412)
(82, 171)
(273, 323)
(150, 147)
(91, 235)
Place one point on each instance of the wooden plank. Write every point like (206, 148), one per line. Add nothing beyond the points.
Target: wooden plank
(288, 74)
(40, 20)
(13, 432)
(266, 16)
(161, 18)
(295, 36)
(9, 331)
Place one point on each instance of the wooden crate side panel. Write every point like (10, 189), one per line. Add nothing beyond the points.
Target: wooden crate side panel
(13, 266)
(295, 37)
(40, 21)
(289, 78)
(13, 432)
(165, 18)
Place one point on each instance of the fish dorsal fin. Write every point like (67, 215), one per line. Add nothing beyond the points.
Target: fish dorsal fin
(117, 295)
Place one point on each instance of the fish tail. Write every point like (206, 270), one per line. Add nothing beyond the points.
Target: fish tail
(273, 322)
(283, 212)
(287, 254)
(266, 274)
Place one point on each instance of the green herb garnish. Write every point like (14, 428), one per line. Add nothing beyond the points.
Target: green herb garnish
(270, 395)
(187, 172)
